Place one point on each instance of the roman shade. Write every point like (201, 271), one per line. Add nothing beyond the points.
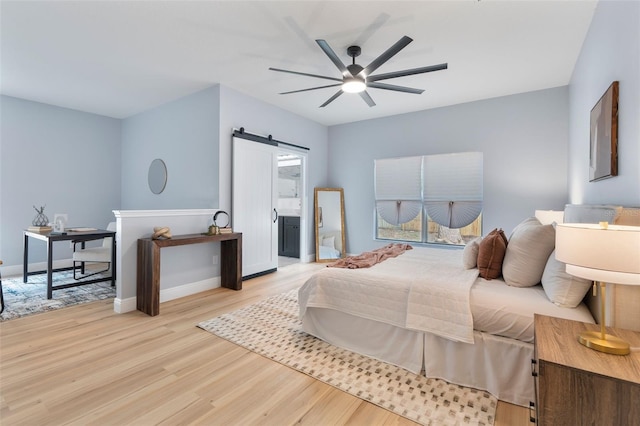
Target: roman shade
(398, 188)
(453, 188)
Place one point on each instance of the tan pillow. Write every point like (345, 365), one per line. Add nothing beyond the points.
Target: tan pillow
(491, 253)
(561, 288)
(470, 253)
(529, 248)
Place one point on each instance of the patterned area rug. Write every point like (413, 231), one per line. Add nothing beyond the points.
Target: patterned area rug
(271, 328)
(22, 299)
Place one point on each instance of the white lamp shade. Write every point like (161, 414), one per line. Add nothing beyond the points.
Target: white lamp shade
(547, 217)
(609, 255)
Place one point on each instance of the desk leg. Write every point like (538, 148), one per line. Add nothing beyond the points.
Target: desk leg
(113, 261)
(25, 260)
(231, 268)
(148, 278)
(82, 264)
(49, 268)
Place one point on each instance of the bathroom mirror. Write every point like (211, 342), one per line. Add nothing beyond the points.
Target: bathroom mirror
(329, 220)
(157, 176)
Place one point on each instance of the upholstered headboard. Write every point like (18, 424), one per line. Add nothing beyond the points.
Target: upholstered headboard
(622, 301)
(578, 213)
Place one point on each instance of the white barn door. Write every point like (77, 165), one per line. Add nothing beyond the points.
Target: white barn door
(254, 201)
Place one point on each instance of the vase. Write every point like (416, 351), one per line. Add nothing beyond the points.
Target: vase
(40, 220)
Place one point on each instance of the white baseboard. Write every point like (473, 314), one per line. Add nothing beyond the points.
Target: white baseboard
(121, 306)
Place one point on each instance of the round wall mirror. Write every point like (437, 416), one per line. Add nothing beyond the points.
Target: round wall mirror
(157, 176)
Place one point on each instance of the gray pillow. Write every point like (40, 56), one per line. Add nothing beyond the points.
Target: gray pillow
(530, 245)
(561, 288)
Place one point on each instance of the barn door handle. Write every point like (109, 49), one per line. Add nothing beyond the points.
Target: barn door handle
(276, 218)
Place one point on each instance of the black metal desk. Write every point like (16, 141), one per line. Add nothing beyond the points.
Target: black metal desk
(50, 238)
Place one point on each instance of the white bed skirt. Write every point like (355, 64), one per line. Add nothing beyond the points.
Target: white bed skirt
(496, 364)
(385, 342)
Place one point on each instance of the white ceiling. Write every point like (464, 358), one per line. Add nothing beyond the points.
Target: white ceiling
(121, 58)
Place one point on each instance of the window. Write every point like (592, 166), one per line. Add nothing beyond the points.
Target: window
(429, 199)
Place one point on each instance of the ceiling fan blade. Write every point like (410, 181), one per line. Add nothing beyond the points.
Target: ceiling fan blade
(407, 72)
(388, 54)
(306, 74)
(395, 88)
(332, 55)
(331, 99)
(365, 96)
(312, 88)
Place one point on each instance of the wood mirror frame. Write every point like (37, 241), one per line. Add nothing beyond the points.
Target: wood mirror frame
(329, 224)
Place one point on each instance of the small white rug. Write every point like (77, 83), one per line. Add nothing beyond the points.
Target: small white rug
(271, 328)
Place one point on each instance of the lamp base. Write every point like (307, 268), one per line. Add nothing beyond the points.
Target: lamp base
(610, 344)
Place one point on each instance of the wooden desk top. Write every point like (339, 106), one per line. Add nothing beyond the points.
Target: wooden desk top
(556, 342)
(94, 234)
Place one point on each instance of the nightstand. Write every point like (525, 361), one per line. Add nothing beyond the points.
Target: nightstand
(576, 385)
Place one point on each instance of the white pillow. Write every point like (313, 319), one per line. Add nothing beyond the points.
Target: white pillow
(530, 245)
(329, 242)
(561, 288)
(470, 253)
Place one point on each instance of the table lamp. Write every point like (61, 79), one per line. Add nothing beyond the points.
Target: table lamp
(604, 254)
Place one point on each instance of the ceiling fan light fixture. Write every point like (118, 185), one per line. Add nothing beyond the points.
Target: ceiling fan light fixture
(356, 79)
(353, 85)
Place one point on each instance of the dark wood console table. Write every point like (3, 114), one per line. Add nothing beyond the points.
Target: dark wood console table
(148, 275)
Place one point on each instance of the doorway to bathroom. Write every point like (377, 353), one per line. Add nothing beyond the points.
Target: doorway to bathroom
(291, 207)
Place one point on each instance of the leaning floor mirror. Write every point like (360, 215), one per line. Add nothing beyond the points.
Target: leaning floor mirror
(329, 219)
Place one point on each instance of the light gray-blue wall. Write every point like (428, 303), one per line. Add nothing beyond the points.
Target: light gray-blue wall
(65, 159)
(524, 139)
(184, 134)
(611, 51)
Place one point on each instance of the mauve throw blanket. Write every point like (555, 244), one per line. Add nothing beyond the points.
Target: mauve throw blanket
(370, 258)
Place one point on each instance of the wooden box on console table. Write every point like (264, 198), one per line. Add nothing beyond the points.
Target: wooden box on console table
(580, 386)
(148, 274)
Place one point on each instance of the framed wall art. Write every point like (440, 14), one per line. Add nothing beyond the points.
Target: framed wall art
(603, 152)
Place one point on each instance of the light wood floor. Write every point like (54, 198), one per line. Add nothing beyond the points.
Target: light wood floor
(87, 365)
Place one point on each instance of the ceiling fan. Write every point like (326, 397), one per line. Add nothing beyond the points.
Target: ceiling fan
(356, 79)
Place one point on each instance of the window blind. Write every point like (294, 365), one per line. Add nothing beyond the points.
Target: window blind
(453, 188)
(398, 188)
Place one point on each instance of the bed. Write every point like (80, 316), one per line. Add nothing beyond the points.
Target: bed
(487, 345)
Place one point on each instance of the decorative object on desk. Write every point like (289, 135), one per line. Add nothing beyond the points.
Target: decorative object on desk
(225, 230)
(60, 222)
(161, 232)
(41, 229)
(272, 328)
(605, 254)
(603, 153)
(213, 230)
(41, 219)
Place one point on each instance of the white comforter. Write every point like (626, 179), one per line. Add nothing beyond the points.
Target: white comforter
(424, 289)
